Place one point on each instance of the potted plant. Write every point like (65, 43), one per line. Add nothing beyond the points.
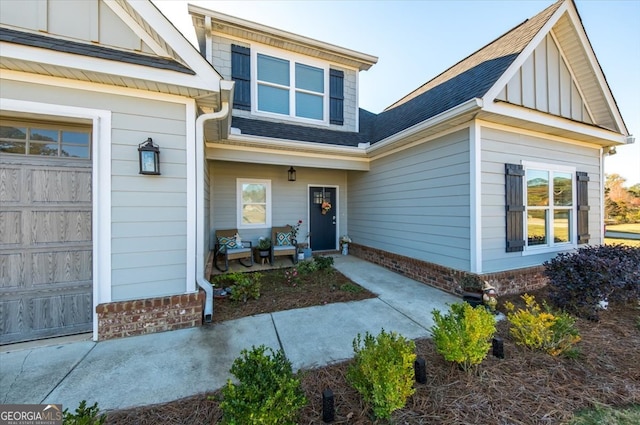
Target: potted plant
(264, 248)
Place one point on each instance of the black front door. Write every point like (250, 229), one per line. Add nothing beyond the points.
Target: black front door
(323, 210)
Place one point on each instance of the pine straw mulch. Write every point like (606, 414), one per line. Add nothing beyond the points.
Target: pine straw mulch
(526, 387)
(319, 288)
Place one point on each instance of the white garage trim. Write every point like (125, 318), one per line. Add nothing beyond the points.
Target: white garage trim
(101, 188)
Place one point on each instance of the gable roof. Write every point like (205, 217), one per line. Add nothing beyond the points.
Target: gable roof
(470, 78)
(481, 76)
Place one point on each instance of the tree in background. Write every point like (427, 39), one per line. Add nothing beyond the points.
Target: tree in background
(622, 205)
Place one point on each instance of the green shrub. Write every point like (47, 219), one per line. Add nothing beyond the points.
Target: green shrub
(382, 371)
(350, 287)
(243, 285)
(323, 263)
(579, 280)
(538, 329)
(463, 335)
(84, 415)
(307, 267)
(267, 392)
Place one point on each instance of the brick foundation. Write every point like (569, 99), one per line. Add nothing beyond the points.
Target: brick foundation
(139, 317)
(509, 282)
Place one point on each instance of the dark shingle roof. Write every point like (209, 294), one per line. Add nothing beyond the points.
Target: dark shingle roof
(468, 79)
(67, 46)
(296, 132)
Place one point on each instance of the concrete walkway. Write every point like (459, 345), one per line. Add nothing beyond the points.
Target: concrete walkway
(161, 367)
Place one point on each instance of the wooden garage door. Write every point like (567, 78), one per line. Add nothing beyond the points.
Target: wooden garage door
(45, 246)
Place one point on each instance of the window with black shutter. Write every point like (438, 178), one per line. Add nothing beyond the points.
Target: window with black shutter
(582, 199)
(514, 175)
(336, 100)
(241, 74)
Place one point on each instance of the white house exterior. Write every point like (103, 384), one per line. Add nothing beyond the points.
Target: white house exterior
(491, 168)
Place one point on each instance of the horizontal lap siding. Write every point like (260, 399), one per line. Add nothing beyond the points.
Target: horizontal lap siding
(501, 147)
(149, 220)
(289, 199)
(416, 202)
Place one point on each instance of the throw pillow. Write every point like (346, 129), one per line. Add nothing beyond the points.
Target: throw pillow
(226, 243)
(283, 239)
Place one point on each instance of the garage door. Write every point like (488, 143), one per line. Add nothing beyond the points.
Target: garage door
(45, 232)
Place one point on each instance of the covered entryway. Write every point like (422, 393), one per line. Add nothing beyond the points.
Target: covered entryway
(323, 211)
(45, 231)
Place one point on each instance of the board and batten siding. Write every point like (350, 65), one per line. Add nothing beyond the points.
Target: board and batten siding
(544, 83)
(99, 24)
(501, 147)
(149, 213)
(416, 202)
(289, 199)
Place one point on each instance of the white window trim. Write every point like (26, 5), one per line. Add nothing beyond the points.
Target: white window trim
(293, 58)
(239, 223)
(553, 247)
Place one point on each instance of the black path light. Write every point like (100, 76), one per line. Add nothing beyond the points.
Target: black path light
(291, 174)
(328, 406)
(149, 156)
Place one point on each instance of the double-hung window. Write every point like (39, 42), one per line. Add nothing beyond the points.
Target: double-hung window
(292, 88)
(549, 206)
(254, 203)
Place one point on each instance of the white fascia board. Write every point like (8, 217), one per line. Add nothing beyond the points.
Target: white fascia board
(463, 108)
(140, 32)
(251, 154)
(543, 118)
(110, 67)
(168, 32)
(497, 87)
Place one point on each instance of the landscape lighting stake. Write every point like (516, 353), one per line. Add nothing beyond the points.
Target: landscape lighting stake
(421, 370)
(498, 347)
(328, 408)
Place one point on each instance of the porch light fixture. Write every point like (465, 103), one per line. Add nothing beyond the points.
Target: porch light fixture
(149, 156)
(291, 174)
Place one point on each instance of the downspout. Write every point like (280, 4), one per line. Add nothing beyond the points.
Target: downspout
(200, 280)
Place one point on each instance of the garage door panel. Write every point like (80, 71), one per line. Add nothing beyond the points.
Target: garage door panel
(12, 315)
(45, 247)
(61, 266)
(10, 183)
(12, 270)
(60, 186)
(10, 228)
(60, 311)
(60, 226)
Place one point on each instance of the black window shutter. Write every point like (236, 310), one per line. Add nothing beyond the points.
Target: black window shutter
(336, 97)
(241, 74)
(582, 198)
(514, 175)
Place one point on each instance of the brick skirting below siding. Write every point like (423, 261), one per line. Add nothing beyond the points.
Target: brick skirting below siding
(508, 282)
(138, 317)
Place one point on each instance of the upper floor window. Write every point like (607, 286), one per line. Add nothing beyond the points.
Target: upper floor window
(45, 140)
(293, 86)
(290, 88)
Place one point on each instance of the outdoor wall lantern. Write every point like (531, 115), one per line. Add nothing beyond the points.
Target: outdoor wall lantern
(292, 174)
(149, 155)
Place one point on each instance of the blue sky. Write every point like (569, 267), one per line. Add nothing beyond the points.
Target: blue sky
(417, 40)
